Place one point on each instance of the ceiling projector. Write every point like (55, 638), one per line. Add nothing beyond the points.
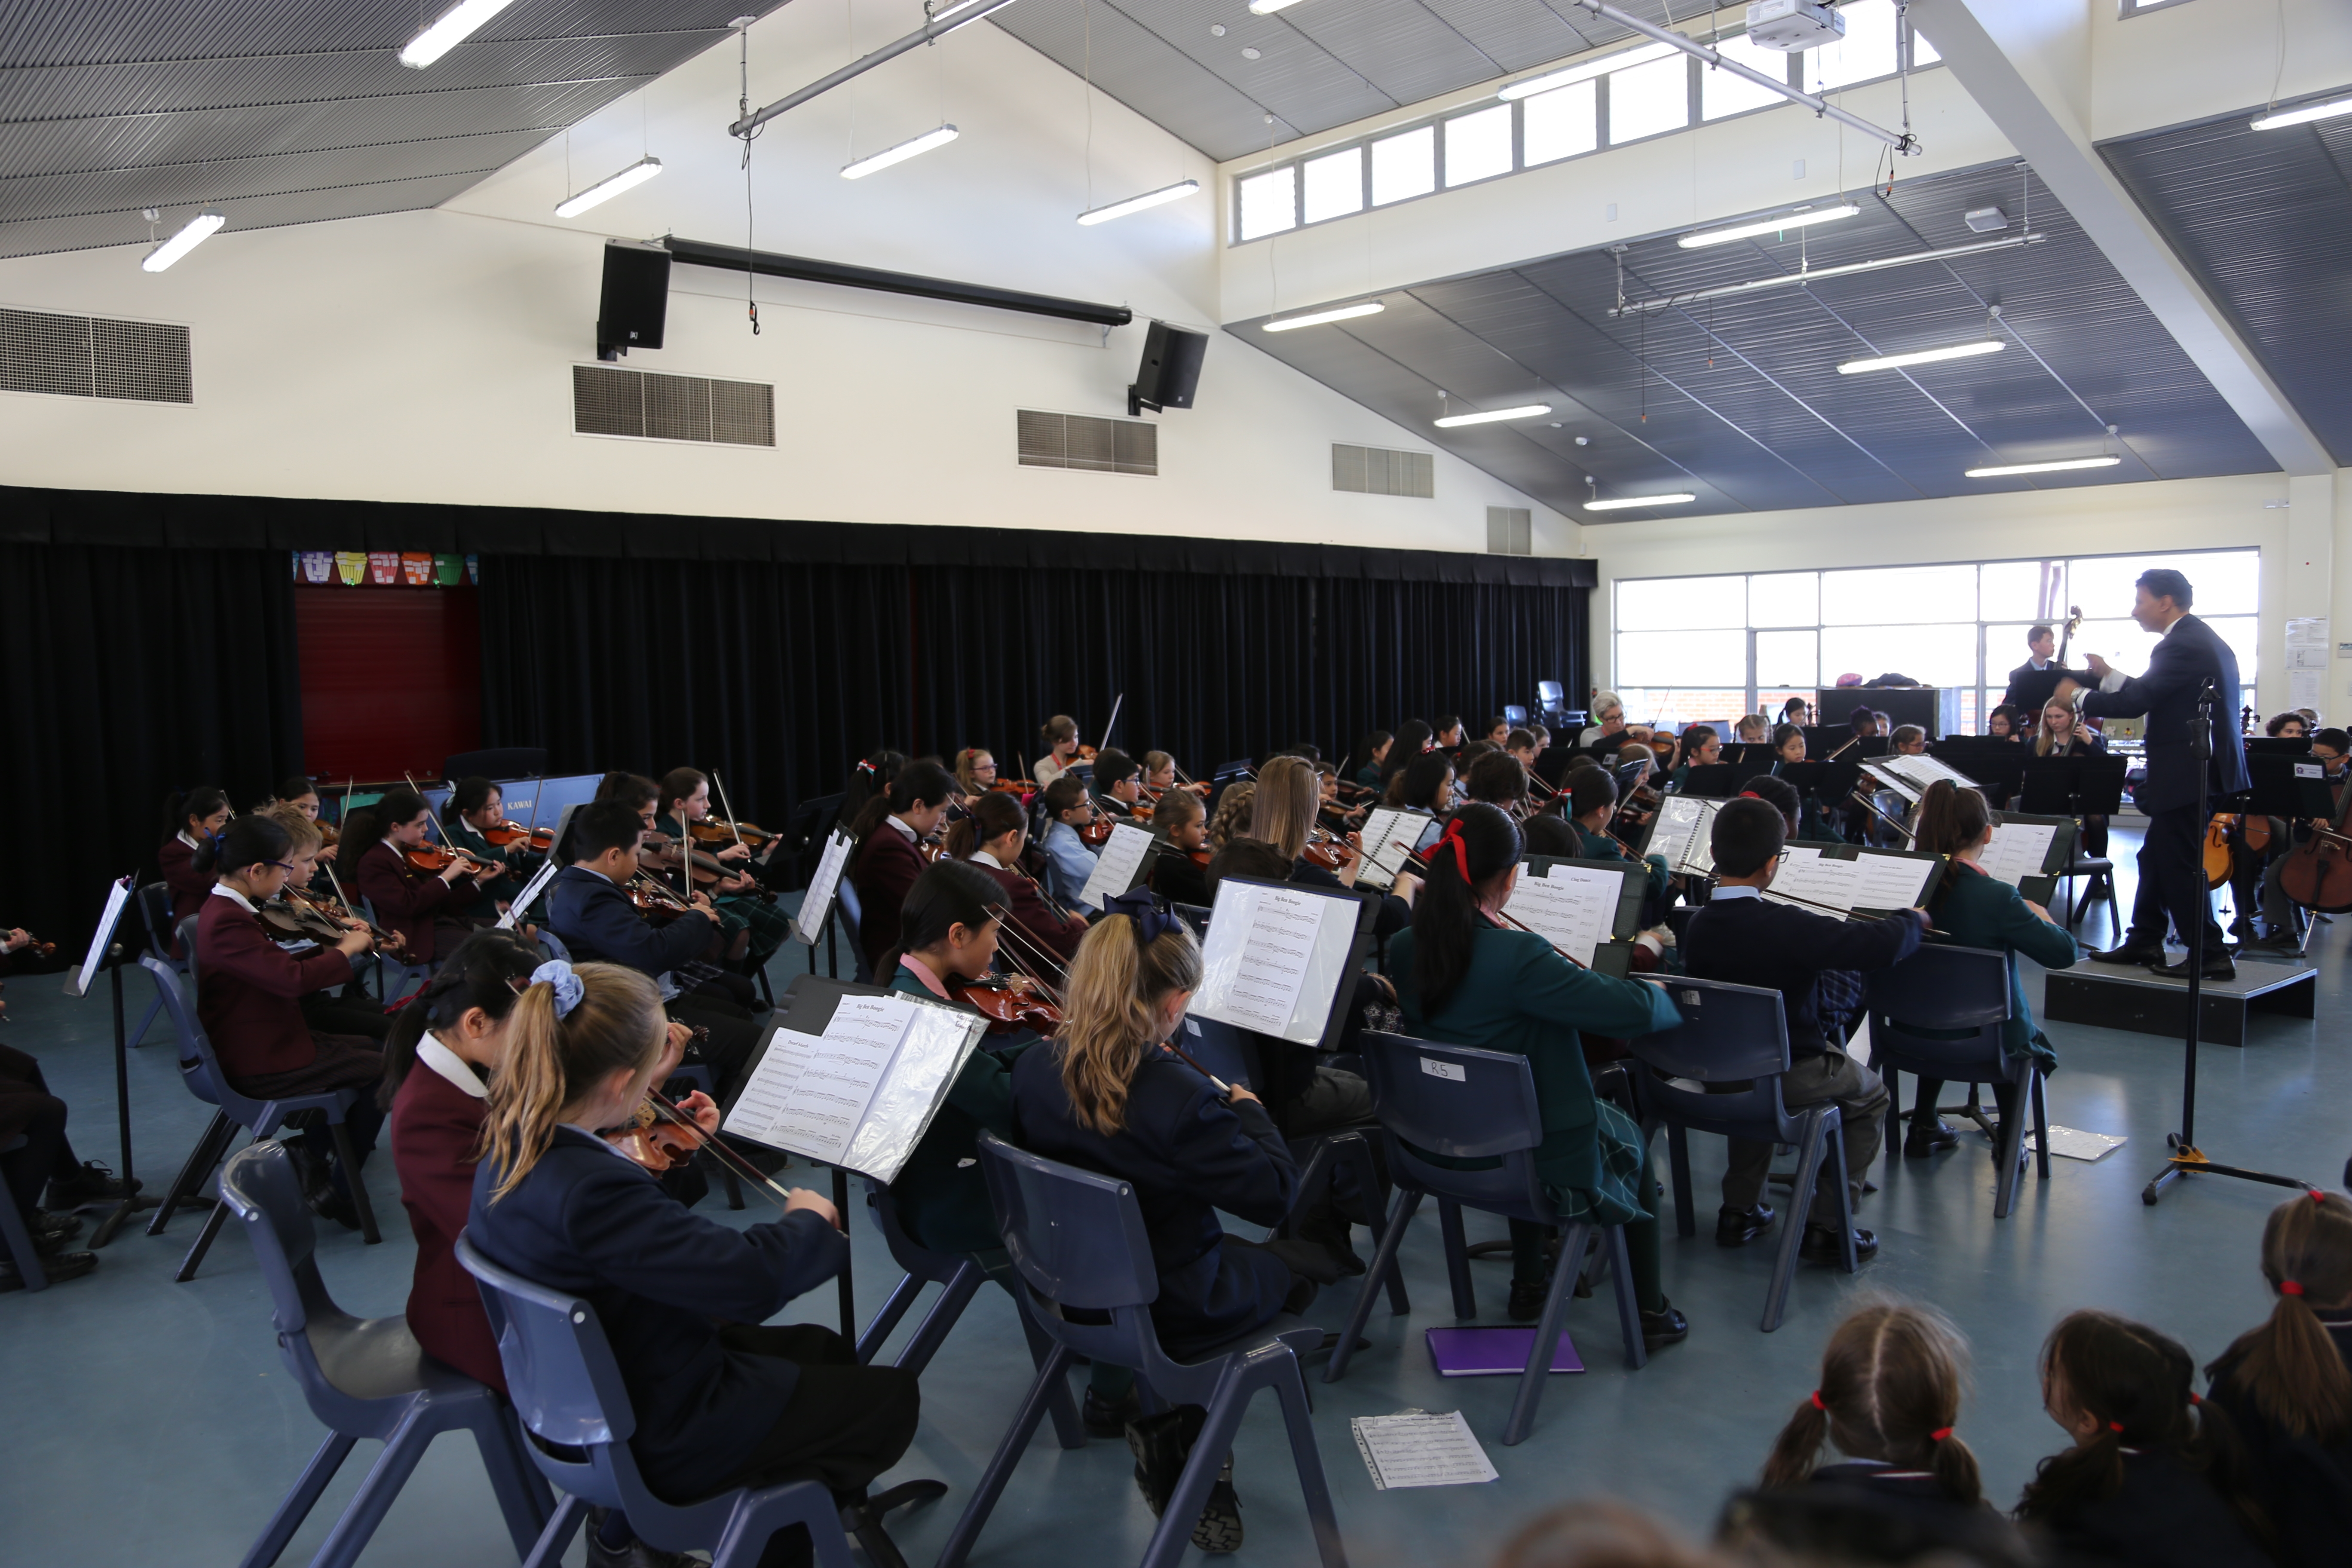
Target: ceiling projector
(1792, 24)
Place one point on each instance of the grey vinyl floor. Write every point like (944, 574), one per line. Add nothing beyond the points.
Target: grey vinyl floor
(150, 1423)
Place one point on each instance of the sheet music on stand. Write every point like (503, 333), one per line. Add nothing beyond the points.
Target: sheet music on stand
(1909, 776)
(531, 889)
(851, 1076)
(2029, 853)
(1389, 835)
(1276, 956)
(1574, 904)
(78, 978)
(1119, 867)
(1853, 882)
(1683, 830)
(816, 903)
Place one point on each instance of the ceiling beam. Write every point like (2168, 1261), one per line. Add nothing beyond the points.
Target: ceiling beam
(2015, 58)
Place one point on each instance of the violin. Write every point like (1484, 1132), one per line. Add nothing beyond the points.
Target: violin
(1008, 1006)
(660, 1141)
(43, 951)
(539, 840)
(718, 830)
(654, 899)
(436, 858)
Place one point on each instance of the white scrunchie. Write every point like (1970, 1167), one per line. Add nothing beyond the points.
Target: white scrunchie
(569, 987)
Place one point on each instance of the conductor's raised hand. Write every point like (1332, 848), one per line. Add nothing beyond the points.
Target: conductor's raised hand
(2098, 666)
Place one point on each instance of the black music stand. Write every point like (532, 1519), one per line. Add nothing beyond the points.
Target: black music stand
(2187, 1158)
(2288, 785)
(2091, 786)
(104, 949)
(1997, 765)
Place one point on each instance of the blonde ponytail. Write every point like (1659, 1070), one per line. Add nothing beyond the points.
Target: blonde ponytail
(1115, 988)
(552, 1059)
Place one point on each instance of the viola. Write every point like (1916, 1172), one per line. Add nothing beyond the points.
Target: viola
(1008, 1006)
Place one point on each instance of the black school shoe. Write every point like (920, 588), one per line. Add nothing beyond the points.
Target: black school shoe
(63, 1266)
(1109, 1420)
(1821, 1245)
(1666, 1326)
(93, 1183)
(1930, 1138)
(50, 1232)
(1160, 1444)
(1737, 1227)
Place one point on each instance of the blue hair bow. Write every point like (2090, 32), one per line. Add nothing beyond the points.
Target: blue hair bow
(1151, 921)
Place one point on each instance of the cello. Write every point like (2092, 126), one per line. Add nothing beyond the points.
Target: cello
(2317, 872)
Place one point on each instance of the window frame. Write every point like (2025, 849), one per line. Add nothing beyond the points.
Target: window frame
(1694, 121)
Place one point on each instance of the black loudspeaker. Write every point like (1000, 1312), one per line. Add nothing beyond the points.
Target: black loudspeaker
(636, 299)
(1169, 371)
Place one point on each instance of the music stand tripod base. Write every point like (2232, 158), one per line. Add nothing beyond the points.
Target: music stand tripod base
(2188, 1161)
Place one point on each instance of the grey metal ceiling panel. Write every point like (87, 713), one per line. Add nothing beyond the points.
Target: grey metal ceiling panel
(1407, 49)
(1746, 395)
(2264, 219)
(104, 30)
(1140, 69)
(87, 231)
(1303, 84)
(1513, 34)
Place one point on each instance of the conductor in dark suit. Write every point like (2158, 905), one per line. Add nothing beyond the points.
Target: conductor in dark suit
(2030, 683)
(2171, 880)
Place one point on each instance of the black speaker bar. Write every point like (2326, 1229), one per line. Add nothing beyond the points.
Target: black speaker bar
(735, 259)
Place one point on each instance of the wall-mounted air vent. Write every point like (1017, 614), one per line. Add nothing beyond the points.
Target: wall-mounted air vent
(94, 356)
(1083, 441)
(1509, 531)
(609, 401)
(1376, 471)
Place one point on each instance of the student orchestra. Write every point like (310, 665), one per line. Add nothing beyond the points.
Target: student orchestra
(533, 1093)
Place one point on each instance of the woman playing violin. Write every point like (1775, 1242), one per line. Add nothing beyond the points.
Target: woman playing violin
(684, 801)
(1283, 815)
(991, 839)
(373, 859)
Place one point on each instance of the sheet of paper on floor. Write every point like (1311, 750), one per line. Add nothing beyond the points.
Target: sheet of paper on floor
(1420, 1448)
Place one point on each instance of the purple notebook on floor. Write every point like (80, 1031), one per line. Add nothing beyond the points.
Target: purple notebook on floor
(1493, 1353)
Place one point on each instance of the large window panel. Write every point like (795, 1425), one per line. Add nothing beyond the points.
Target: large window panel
(1649, 100)
(2243, 633)
(1686, 657)
(2011, 590)
(2224, 582)
(1866, 51)
(1930, 655)
(1788, 659)
(1884, 594)
(1478, 146)
(1405, 166)
(1668, 604)
(1721, 93)
(1269, 203)
(1784, 599)
(1335, 185)
(1677, 706)
(1561, 123)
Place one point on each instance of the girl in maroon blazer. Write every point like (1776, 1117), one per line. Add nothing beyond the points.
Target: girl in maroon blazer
(373, 861)
(190, 821)
(991, 837)
(889, 832)
(250, 995)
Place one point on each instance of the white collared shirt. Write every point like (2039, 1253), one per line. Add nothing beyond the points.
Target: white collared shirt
(983, 858)
(911, 835)
(1722, 892)
(223, 891)
(432, 1053)
(191, 843)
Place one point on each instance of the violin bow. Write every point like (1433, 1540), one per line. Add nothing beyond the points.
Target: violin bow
(462, 854)
(721, 784)
(1113, 722)
(1829, 908)
(667, 1110)
(1220, 1084)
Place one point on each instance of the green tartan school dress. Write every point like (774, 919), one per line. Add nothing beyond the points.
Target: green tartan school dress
(768, 925)
(1978, 910)
(1521, 996)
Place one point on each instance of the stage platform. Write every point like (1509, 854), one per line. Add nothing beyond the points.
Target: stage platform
(2126, 996)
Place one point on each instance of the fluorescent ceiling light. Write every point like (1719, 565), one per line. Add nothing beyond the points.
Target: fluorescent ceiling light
(1491, 415)
(1621, 502)
(1317, 317)
(1923, 356)
(197, 230)
(1269, 7)
(1176, 192)
(2309, 111)
(2003, 472)
(900, 154)
(457, 24)
(636, 173)
(1585, 71)
(1769, 226)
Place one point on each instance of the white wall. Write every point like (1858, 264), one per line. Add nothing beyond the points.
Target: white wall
(2176, 514)
(426, 356)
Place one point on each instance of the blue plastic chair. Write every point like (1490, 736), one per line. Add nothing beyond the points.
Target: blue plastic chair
(845, 901)
(1077, 1242)
(1737, 1035)
(155, 900)
(567, 1388)
(1957, 988)
(1469, 1104)
(391, 975)
(960, 1277)
(15, 1239)
(200, 1069)
(364, 1377)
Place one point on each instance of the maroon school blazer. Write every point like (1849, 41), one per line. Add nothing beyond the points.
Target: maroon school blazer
(250, 991)
(436, 1130)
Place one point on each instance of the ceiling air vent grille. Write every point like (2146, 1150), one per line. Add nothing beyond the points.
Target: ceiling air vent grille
(1376, 471)
(1509, 531)
(94, 356)
(609, 401)
(1083, 441)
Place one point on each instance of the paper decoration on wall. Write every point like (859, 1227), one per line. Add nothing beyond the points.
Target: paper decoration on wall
(351, 565)
(314, 566)
(384, 567)
(387, 568)
(416, 569)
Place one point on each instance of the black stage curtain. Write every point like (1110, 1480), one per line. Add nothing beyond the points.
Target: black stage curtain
(130, 673)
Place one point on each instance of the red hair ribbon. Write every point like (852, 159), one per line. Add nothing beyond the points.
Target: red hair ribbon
(1939, 1434)
(1453, 836)
(1749, 795)
(2195, 1397)
(2290, 1287)
(1817, 1401)
(2114, 1426)
(2317, 1197)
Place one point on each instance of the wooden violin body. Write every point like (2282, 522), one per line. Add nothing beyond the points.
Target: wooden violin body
(438, 857)
(1008, 1006)
(714, 830)
(538, 840)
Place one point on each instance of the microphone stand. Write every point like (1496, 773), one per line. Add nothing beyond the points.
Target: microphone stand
(2187, 1159)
